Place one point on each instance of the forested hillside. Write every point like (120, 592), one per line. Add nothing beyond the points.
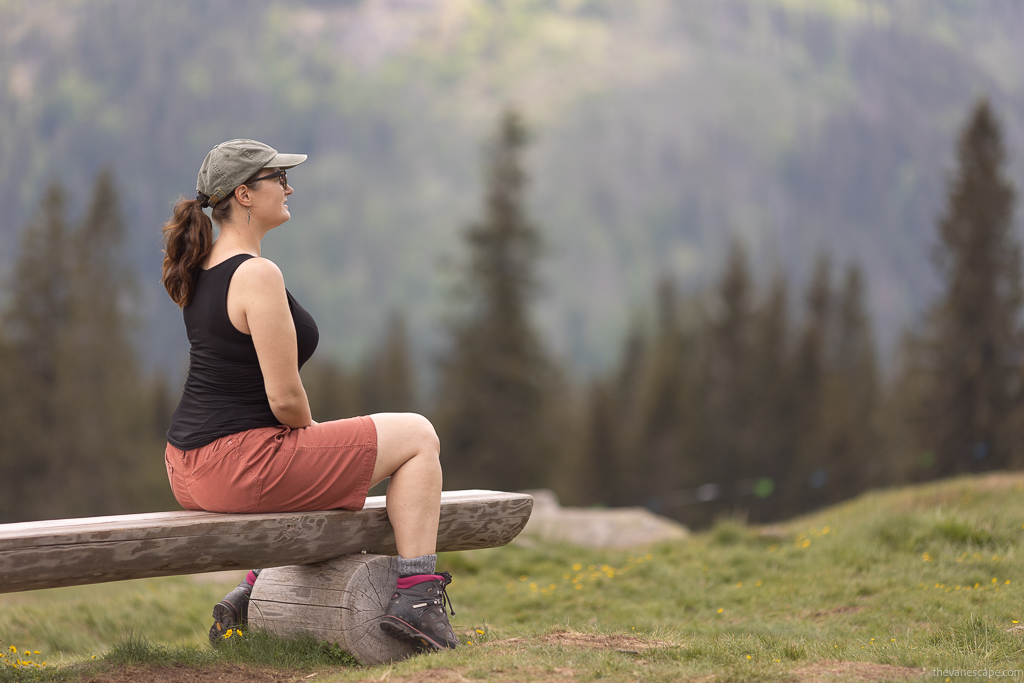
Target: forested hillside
(661, 129)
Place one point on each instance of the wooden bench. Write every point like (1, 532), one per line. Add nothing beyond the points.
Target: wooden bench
(331, 573)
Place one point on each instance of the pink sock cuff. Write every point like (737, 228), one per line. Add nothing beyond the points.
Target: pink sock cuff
(410, 581)
(250, 578)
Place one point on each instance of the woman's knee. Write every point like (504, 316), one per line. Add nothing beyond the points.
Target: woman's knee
(410, 433)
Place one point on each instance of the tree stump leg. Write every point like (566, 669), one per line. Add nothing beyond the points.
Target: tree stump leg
(339, 601)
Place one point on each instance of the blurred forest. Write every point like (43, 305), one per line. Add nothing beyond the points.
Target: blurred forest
(664, 128)
(728, 401)
(758, 255)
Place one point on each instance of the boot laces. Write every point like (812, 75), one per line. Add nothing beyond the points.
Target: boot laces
(445, 600)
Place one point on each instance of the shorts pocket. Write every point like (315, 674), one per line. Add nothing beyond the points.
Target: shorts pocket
(225, 482)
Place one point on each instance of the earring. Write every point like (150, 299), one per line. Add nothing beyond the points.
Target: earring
(248, 215)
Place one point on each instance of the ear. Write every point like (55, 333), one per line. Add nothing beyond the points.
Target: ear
(243, 196)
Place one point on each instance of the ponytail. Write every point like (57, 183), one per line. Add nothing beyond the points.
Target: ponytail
(188, 237)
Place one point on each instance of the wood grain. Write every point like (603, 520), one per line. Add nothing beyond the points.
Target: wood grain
(340, 601)
(71, 552)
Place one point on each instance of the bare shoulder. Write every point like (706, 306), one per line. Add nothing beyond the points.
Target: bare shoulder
(258, 276)
(260, 272)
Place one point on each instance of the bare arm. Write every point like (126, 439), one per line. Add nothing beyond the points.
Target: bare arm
(258, 304)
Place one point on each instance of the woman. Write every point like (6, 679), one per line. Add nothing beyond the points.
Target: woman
(242, 438)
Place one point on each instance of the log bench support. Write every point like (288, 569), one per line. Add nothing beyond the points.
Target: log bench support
(341, 569)
(340, 601)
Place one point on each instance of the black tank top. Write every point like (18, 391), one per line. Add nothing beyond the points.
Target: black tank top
(224, 392)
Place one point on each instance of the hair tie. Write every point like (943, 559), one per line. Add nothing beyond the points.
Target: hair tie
(203, 200)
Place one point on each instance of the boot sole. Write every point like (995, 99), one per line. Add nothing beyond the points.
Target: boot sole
(401, 630)
(224, 618)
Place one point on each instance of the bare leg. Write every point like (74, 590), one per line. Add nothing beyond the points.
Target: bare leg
(408, 451)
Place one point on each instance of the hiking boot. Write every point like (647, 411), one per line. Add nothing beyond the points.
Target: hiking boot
(232, 611)
(416, 613)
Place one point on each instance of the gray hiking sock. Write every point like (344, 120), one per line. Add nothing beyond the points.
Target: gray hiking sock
(424, 564)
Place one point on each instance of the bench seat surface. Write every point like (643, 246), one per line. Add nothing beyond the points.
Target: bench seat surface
(54, 553)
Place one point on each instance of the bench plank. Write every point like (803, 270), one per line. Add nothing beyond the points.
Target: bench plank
(56, 553)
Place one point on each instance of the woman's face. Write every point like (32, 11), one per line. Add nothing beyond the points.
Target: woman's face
(270, 199)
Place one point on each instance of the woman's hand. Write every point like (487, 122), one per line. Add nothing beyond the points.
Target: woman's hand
(258, 305)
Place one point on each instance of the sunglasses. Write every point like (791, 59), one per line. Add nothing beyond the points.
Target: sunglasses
(280, 173)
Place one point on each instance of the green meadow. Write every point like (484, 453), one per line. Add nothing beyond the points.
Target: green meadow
(890, 586)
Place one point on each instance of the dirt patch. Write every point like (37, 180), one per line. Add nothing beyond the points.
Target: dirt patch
(831, 670)
(185, 674)
(596, 641)
(999, 481)
(554, 675)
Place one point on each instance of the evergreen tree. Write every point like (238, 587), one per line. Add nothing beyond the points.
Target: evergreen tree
(600, 470)
(103, 389)
(852, 460)
(973, 344)
(774, 404)
(388, 379)
(496, 379)
(729, 390)
(806, 474)
(333, 392)
(83, 442)
(657, 459)
(609, 432)
(34, 323)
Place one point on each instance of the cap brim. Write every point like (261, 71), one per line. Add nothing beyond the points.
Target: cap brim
(285, 161)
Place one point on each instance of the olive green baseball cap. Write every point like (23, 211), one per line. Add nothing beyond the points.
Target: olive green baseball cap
(231, 163)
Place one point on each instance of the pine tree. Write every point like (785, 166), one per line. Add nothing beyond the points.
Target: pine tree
(104, 394)
(600, 471)
(656, 456)
(852, 460)
(496, 379)
(333, 391)
(729, 389)
(388, 379)
(774, 404)
(34, 323)
(610, 431)
(84, 441)
(806, 474)
(973, 341)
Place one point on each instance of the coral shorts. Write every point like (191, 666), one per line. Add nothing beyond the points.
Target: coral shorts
(277, 469)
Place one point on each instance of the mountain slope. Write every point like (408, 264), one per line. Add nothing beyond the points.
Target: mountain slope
(661, 128)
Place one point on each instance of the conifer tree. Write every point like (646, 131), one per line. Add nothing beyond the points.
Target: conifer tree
(104, 392)
(600, 470)
(34, 323)
(852, 460)
(656, 459)
(610, 429)
(83, 442)
(806, 474)
(496, 377)
(774, 404)
(333, 391)
(729, 390)
(973, 341)
(388, 381)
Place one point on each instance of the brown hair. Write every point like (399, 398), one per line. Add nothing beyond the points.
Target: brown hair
(188, 237)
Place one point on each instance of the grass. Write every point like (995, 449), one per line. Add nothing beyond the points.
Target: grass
(928, 577)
